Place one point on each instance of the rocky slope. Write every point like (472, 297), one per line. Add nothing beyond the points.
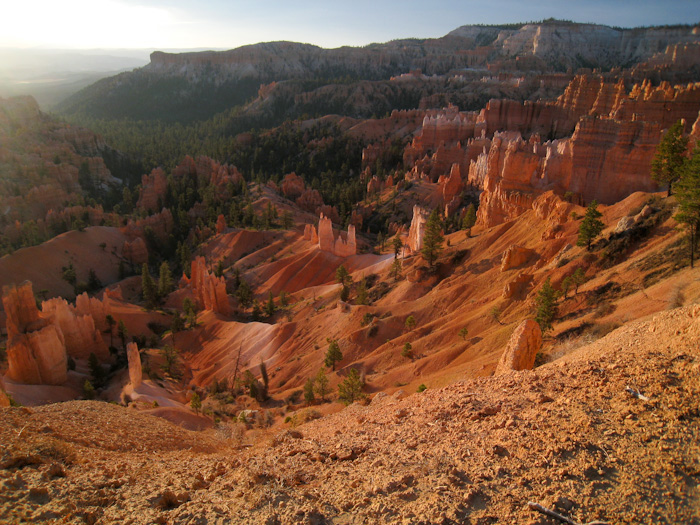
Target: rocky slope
(568, 435)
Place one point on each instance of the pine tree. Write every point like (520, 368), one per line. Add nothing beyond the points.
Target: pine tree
(165, 280)
(244, 294)
(578, 278)
(546, 302)
(123, 333)
(196, 403)
(410, 322)
(396, 267)
(110, 323)
(407, 350)
(667, 165)
(96, 370)
(688, 196)
(469, 219)
(397, 244)
(333, 355)
(342, 275)
(433, 238)
(591, 226)
(150, 292)
(321, 387)
(309, 396)
(361, 292)
(350, 390)
(270, 305)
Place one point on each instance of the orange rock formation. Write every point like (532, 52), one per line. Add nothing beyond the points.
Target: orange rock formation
(328, 242)
(416, 231)
(209, 290)
(80, 335)
(36, 352)
(153, 188)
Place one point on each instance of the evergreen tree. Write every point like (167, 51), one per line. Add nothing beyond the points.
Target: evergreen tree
(469, 219)
(410, 322)
(546, 303)
(110, 323)
(196, 403)
(270, 306)
(667, 165)
(342, 275)
(333, 355)
(578, 278)
(350, 390)
(96, 370)
(150, 293)
(165, 280)
(395, 271)
(463, 333)
(123, 333)
(688, 196)
(321, 387)
(591, 226)
(94, 282)
(433, 238)
(309, 396)
(169, 353)
(362, 292)
(244, 294)
(397, 244)
(407, 350)
(219, 270)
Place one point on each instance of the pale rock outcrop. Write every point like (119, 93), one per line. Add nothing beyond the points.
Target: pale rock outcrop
(80, 335)
(416, 231)
(209, 290)
(134, 358)
(522, 348)
(135, 251)
(36, 352)
(515, 256)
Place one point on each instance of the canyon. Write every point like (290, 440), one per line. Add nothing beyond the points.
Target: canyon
(214, 339)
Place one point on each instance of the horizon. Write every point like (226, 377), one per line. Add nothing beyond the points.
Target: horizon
(176, 25)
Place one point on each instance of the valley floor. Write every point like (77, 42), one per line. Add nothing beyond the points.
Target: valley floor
(567, 435)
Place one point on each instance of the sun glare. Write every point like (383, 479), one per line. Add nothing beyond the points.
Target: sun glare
(86, 23)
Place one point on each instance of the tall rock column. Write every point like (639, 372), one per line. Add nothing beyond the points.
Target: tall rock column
(522, 348)
(135, 371)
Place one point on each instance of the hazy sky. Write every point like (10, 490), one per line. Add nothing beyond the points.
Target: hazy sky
(160, 24)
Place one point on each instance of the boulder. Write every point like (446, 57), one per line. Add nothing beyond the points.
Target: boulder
(522, 348)
(515, 256)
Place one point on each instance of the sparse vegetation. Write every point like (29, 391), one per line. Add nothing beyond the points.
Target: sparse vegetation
(546, 304)
(333, 355)
(591, 226)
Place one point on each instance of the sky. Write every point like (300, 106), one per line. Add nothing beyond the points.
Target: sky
(226, 24)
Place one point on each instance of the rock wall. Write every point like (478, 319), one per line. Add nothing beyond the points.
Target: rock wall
(36, 351)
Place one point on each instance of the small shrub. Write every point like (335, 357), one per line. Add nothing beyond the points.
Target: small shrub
(421, 388)
(367, 319)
